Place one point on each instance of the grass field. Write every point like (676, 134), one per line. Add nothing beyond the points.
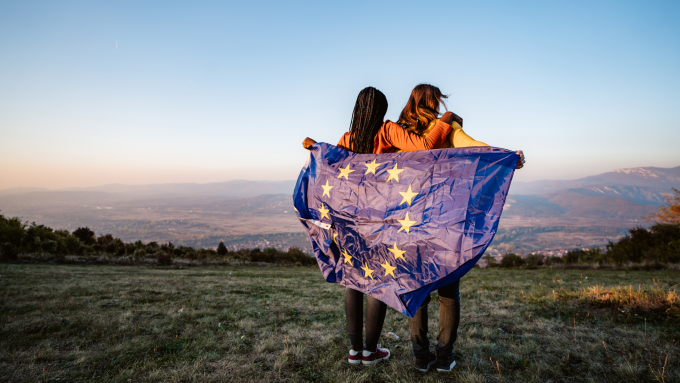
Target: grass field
(236, 324)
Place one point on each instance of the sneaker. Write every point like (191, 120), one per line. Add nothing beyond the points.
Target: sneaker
(375, 357)
(445, 363)
(354, 357)
(424, 362)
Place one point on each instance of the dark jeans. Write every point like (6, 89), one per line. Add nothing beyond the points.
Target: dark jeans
(375, 316)
(449, 317)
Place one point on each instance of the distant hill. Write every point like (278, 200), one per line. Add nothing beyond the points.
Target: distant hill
(233, 189)
(659, 179)
(228, 189)
(20, 190)
(575, 203)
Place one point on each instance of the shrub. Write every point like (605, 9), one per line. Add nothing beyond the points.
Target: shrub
(661, 243)
(85, 235)
(292, 256)
(139, 253)
(168, 247)
(534, 260)
(512, 260)
(553, 261)
(163, 259)
(12, 232)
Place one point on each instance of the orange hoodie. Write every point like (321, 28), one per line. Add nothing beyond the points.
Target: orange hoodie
(392, 137)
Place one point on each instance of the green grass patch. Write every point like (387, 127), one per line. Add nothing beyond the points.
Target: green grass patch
(241, 324)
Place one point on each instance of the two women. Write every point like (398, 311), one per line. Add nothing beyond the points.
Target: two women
(418, 129)
(369, 134)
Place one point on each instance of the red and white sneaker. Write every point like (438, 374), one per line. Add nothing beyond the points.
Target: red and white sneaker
(354, 357)
(375, 357)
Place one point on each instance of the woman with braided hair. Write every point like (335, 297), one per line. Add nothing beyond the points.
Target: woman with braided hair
(369, 134)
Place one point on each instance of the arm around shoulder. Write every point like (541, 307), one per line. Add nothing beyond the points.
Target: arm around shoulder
(408, 141)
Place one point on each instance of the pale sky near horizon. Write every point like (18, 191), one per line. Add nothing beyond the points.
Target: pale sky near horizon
(152, 92)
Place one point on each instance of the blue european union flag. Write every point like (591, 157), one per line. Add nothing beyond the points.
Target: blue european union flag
(397, 226)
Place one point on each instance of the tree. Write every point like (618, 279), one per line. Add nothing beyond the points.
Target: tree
(221, 249)
(669, 213)
(512, 260)
(85, 235)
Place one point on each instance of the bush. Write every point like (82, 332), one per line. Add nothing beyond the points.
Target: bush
(139, 253)
(533, 261)
(292, 256)
(8, 251)
(512, 260)
(594, 255)
(661, 243)
(163, 259)
(553, 261)
(12, 232)
(85, 235)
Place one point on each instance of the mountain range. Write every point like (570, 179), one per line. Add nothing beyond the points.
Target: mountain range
(620, 194)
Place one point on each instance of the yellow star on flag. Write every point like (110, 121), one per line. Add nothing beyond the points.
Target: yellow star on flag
(348, 258)
(408, 196)
(335, 237)
(406, 224)
(345, 172)
(397, 253)
(394, 173)
(371, 166)
(368, 272)
(389, 269)
(327, 190)
(324, 213)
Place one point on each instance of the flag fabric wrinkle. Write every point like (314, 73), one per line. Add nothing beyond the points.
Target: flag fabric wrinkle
(397, 226)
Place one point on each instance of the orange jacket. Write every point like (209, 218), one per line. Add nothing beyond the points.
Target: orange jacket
(392, 137)
(457, 139)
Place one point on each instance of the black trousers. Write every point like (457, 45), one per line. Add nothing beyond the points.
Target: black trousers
(375, 316)
(449, 318)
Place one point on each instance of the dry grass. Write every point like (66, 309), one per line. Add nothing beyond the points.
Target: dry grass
(655, 300)
(239, 323)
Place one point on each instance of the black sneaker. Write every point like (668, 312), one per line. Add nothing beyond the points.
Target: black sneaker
(424, 362)
(445, 363)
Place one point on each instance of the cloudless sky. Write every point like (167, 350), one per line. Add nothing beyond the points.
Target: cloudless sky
(149, 92)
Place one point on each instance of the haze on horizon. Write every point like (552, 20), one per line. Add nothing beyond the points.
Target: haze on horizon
(167, 92)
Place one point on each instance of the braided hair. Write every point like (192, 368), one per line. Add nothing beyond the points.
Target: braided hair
(367, 118)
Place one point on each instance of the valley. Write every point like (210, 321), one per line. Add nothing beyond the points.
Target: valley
(538, 216)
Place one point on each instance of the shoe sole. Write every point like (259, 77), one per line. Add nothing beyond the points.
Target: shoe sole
(354, 362)
(450, 367)
(428, 366)
(365, 363)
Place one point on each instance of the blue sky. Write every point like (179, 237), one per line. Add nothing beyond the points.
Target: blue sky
(150, 92)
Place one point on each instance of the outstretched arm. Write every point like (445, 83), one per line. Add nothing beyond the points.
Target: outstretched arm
(460, 139)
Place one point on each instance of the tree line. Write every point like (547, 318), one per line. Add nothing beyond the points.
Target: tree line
(18, 237)
(657, 245)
